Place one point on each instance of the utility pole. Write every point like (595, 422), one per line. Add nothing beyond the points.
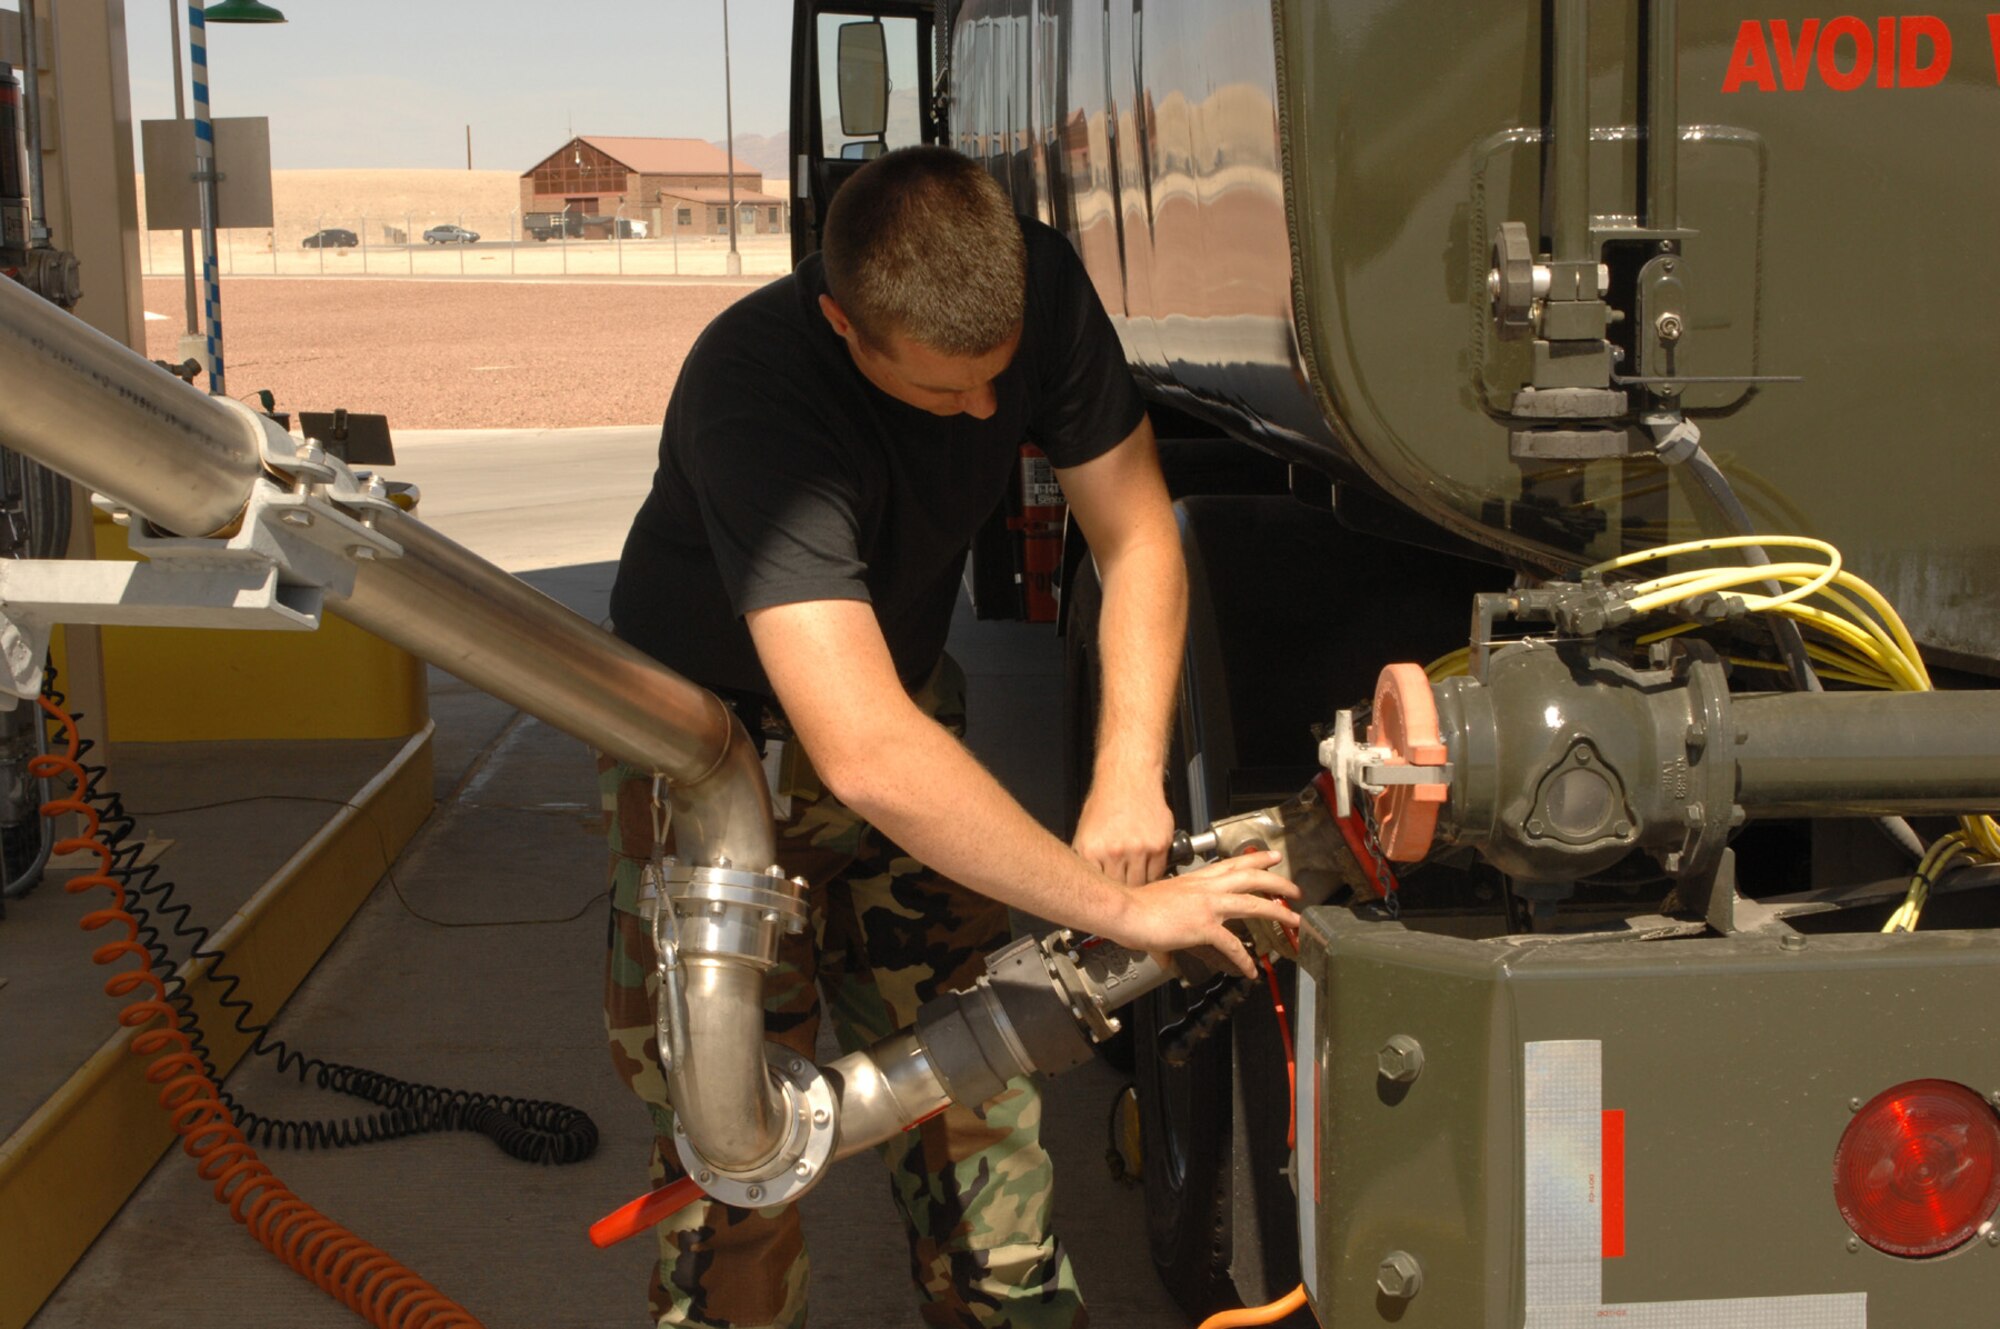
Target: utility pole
(734, 265)
(180, 113)
(468, 147)
(204, 172)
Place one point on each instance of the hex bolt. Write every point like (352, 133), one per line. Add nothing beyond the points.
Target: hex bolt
(755, 1192)
(296, 518)
(1401, 1059)
(1792, 941)
(1534, 825)
(821, 1116)
(1583, 756)
(804, 1169)
(1669, 327)
(1622, 829)
(704, 1176)
(1399, 1275)
(795, 1066)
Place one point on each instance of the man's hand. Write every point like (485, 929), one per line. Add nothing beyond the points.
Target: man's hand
(1194, 908)
(1126, 831)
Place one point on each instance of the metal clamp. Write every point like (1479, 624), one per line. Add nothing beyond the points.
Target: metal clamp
(290, 550)
(1370, 768)
(801, 1159)
(723, 912)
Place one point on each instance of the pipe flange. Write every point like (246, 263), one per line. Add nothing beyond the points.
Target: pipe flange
(715, 890)
(803, 1156)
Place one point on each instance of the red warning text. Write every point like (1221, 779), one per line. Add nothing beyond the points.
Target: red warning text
(1845, 53)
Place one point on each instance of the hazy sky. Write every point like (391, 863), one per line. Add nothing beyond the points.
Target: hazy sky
(392, 83)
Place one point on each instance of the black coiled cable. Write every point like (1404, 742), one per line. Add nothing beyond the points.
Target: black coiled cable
(533, 1130)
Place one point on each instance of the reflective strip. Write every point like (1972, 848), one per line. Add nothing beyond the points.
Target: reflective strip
(1562, 1150)
(1563, 1153)
(1843, 1310)
(1305, 1122)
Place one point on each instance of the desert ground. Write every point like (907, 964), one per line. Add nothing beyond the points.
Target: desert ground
(452, 354)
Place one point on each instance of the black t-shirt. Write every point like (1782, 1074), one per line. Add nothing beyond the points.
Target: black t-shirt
(786, 476)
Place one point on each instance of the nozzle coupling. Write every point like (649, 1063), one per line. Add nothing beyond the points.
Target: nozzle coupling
(1038, 1007)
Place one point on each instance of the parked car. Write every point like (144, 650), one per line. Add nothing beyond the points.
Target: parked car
(333, 237)
(450, 234)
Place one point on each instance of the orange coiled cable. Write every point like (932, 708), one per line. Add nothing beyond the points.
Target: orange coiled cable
(365, 1279)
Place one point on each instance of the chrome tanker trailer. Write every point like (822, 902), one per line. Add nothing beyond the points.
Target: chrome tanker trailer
(1583, 419)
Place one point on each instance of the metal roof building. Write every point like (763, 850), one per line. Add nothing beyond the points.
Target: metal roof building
(666, 182)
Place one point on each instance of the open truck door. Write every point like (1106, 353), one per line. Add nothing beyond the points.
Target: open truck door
(862, 76)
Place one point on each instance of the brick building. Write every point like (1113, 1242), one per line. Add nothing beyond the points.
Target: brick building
(678, 183)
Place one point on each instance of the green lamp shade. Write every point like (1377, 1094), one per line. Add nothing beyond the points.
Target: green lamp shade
(242, 11)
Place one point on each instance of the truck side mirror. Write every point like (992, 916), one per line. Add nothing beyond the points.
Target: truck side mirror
(864, 80)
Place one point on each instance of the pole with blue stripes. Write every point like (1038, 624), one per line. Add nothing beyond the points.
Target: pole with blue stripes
(204, 174)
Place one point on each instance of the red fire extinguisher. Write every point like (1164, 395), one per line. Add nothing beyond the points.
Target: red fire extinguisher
(1040, 523)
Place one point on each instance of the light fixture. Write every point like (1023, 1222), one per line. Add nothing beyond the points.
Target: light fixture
(243, 11)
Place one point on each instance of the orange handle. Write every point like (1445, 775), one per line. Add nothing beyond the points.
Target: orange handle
(631, 1219)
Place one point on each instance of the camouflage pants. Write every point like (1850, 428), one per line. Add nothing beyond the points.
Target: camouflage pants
(887, 935)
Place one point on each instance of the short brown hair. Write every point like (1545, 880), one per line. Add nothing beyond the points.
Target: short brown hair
(922, 241)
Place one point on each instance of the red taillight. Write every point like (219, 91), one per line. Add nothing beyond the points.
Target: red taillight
(1917, 1171)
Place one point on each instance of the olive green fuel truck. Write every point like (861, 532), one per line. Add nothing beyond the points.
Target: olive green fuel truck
(1585, 430)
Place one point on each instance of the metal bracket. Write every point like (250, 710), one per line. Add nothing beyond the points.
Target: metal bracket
(298, 541)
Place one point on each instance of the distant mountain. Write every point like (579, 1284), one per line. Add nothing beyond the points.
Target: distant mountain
(769, 153)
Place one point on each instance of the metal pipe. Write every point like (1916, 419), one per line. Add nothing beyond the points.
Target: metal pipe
(734, 263)
(1663, 123)
(31, 118)
(1568, 206)
(83, 404)
(1866, 754)
(722, 1092)
(447, 605)
(883, 1091)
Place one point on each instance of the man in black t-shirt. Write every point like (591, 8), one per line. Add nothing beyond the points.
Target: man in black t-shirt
(834, 441)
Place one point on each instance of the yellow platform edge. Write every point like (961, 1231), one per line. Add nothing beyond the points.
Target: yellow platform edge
(68, 1169)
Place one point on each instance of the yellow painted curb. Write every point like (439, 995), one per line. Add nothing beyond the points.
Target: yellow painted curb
(66, 1171)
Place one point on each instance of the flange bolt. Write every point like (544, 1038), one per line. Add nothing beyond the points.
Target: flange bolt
(1399, 1275)
(1401, 1059)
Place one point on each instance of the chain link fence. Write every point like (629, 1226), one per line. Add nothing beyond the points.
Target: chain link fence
(687, 242)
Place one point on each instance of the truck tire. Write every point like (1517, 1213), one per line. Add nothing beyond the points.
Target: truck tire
(1260, 667)
(1205, 1192)
(1187, 1111)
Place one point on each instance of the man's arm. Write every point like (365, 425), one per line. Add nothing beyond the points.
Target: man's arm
(1120, 501)
(907, 775)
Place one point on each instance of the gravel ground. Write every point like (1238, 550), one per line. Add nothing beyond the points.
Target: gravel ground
(453, 354)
